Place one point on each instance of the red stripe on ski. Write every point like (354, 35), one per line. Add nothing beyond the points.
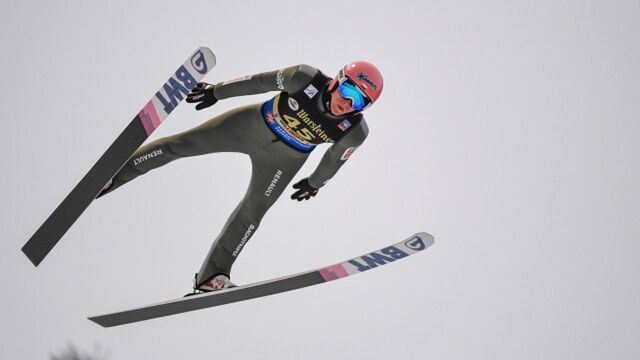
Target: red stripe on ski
(333, 272)
(149, 117)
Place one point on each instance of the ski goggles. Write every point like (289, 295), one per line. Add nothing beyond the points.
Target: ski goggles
(350, 91)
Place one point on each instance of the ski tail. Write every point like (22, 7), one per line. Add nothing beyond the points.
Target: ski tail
(374, 259)
(143, 124)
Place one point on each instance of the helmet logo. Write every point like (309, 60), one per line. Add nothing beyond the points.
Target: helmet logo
(365, 78)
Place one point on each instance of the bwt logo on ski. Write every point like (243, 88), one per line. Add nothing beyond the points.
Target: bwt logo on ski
(386, 255)
(199, 63)
(415, 243)
(176, 89)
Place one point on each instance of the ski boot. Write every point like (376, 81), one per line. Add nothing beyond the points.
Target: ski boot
(216, 282)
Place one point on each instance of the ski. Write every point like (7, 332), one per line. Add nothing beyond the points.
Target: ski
(145, 122)
(412, 245)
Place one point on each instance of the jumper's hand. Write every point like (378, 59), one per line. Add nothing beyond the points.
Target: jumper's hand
(305, 191)
(203, 95)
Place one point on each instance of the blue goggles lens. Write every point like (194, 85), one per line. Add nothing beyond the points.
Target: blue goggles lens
(349, 90)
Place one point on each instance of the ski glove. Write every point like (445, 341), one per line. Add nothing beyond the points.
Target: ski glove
(305, 191)
(203, 95)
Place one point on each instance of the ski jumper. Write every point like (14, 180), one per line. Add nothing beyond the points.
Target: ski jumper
(277, 135)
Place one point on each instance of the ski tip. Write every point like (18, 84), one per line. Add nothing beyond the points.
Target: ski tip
(209, 55)
(426, 238)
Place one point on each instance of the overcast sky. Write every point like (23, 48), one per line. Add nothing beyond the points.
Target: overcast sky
(507, 129)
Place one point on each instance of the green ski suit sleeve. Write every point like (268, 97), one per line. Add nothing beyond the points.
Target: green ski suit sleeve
(337, 155)
(289, 79)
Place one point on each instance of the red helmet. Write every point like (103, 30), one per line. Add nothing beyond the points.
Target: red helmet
(365, 75)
